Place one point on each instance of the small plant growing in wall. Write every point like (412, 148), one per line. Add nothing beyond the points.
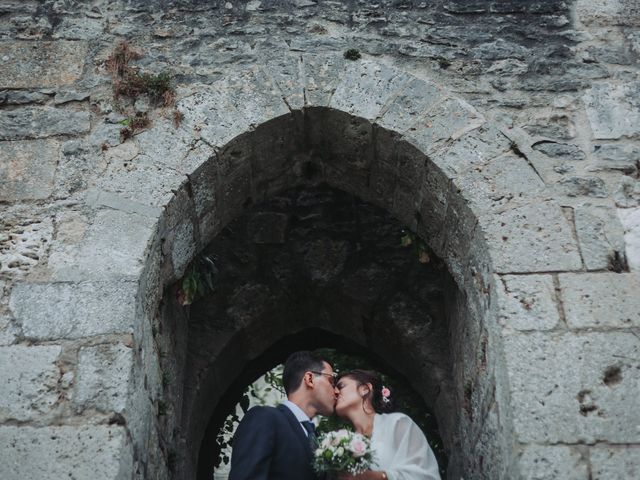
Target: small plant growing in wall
(410, 239)
(352, 54)
(130, 83)
(198, 280)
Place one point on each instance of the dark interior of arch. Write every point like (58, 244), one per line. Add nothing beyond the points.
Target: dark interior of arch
(308, 260)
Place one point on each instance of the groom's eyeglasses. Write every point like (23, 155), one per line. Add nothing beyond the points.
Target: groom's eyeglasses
(332, 376)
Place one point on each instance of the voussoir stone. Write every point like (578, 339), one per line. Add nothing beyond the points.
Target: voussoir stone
(67, 310)
(415, 99)
(447, 120)
(28, 381)
(97, 452)
(366, 87)
(605, 299)
(321, 75)
(41, 64)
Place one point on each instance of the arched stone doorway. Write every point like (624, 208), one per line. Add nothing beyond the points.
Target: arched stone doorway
(399, 143)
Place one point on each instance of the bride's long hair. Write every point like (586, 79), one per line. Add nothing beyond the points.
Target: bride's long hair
(380, 403)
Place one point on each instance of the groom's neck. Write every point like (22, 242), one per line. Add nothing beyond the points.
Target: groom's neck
(305, 404)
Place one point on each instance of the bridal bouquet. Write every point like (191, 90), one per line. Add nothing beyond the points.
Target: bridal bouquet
(343, 451)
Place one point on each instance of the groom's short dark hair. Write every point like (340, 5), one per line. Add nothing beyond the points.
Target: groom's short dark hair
(296, 365)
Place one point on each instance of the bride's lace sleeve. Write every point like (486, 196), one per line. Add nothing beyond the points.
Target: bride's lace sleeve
(413, 458)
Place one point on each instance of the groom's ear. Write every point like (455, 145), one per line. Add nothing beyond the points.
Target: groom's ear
(307, 379)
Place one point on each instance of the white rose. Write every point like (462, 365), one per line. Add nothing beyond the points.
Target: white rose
(339, 452)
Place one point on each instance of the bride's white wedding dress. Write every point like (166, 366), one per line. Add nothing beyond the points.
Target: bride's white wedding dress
(401, 449)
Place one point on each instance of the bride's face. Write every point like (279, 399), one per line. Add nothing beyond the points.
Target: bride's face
(348, 395)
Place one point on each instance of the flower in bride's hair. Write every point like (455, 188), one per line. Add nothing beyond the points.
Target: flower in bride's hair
(386, 393)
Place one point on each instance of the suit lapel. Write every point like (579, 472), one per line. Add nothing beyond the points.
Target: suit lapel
(297, 428)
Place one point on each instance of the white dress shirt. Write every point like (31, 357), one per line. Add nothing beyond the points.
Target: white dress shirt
(299, 414)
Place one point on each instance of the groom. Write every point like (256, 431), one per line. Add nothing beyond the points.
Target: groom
(275, 443)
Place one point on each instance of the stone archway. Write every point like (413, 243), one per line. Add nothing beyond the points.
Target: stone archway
(402, 144)
(391, 139)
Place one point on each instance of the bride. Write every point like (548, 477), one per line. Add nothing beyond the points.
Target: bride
(400, 448)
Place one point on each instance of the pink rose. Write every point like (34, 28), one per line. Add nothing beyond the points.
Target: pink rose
(357, 447)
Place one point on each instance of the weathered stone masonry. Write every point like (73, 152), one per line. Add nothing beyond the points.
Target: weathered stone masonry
(506, 134)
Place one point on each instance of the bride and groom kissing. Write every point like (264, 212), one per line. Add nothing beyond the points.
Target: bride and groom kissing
(277, 443)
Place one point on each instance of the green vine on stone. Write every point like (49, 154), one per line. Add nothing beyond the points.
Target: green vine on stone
(198, 281)
(409, 239)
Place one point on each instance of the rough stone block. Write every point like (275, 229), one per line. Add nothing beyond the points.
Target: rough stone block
(254, 96)
(288, 74)
(604, 299)
(573, 388)
(472, 150)
(600, 235)
(539, 462)
(615, 462)
(531, 238)
(502, 181)
(608, 12)
(209, 114)
(175, 148)
(102, 380)
(613, 110)
(590, 186)
(114, 246)
(623, 157)
(447, 120)
(560, 151)
(321, 75)
(627, 193)
(97, 452)
(527, 302)
(416, 98)
(67, 310)
(183, 247)
(40, 64)
(140, 180)
(550, 126)
(366, 87)
(630, 219)
(23, 244)
(27, 169)
(29, 379)
(41, 122)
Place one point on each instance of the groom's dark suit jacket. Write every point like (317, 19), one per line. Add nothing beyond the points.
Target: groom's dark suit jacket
(270, 444)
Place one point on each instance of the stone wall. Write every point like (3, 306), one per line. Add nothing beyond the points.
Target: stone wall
(505, 133)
